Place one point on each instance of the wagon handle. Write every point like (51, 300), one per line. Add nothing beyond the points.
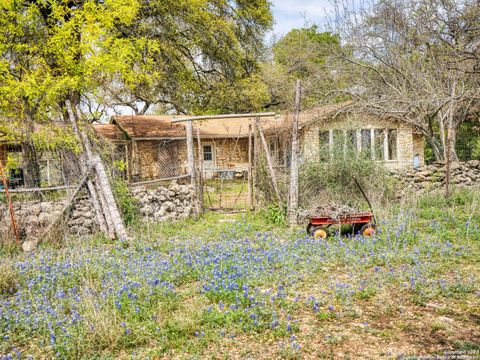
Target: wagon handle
(364, 195)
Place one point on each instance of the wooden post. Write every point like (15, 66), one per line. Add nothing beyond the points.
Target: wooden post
(103, 185)
(191, 163)
(448, 160)
(293, 194)
(99, 204)
(250, 168)
(270, 164)
(200, 171)
(10, 206)
(256, 148)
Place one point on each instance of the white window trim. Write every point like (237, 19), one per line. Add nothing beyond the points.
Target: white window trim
(358, 133)
(214, 158)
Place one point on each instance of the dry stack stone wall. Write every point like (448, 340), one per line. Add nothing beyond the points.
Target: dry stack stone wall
(160, 204)
(165, 203)
(33, 217)
(432, 177)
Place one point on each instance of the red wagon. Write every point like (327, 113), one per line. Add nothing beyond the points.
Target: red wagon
(364, 223)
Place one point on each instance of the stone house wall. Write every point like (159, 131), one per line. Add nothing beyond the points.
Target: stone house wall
(408, 143)
(157, 159)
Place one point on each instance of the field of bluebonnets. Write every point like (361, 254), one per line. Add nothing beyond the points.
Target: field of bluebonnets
(235, 287)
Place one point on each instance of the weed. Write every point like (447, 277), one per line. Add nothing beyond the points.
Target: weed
(9, 280)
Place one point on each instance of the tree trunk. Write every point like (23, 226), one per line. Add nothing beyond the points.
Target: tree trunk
(31, 170)
(452, 131)
(103, 185)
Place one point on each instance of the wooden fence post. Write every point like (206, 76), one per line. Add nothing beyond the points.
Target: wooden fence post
(201, 180)
(250, 168)
(270, 165)
(191, 163)
(293, 193)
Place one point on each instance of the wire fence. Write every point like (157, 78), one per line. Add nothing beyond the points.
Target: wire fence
(235, 172)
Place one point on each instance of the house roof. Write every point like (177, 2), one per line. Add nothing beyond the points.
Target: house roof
(147, 126)
(109, 131)
(161, 127)
(321, 113)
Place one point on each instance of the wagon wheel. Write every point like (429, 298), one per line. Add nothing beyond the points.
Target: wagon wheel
(320, 232)
(368, 229)
(310, 227)
(356, 228)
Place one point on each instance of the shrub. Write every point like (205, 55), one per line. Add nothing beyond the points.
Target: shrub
(8, 280)
(276, 215)
(322, 182)
(126, 201)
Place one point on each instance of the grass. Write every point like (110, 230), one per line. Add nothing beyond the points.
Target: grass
(230, 194)
(240, 286)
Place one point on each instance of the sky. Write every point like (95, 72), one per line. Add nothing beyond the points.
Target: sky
(290, 14)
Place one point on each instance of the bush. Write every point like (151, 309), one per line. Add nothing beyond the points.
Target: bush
(275, 215)
(126, 201)
(8, 280)
(322, 182)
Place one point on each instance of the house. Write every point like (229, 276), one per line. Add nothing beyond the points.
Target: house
(329, 133)
(154, 147)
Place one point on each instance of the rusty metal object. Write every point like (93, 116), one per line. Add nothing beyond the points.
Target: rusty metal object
(10, 206)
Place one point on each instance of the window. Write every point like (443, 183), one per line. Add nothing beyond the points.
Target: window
(207, 153)
(366, 143)
(379, 136)
(324, 138)
(377, 144)
(392, 144)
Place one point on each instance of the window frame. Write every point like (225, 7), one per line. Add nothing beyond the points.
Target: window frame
(212, 152)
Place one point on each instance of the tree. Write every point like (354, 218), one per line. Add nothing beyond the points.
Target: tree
(190, 56)
(57, 54)
(302, 54)
(418, 62)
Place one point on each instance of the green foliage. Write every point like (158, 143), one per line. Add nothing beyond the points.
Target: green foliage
(126, 202)
(333, 181)
(155, 59)
(275, 215)
(312, 47)
(468, 141)
(8, 280)
(305, 54)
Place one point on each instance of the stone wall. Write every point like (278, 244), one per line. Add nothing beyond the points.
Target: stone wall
(432, 177)
(156, 159)
(33, 217)
(164, 203)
